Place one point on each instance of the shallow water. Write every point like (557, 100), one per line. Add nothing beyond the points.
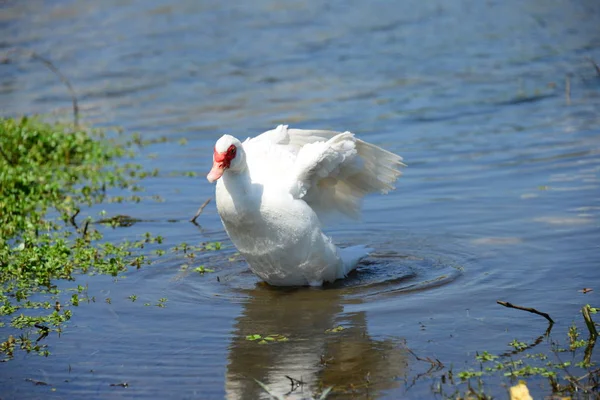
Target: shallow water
(500, 200)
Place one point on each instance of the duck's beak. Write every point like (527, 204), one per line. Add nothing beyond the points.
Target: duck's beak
(216, 172)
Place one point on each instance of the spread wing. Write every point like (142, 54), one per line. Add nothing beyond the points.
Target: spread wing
(333, 171)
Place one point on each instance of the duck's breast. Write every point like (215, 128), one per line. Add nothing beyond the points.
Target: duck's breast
(281, 239)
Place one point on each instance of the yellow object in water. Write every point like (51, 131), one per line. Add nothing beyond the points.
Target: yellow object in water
(520, 392)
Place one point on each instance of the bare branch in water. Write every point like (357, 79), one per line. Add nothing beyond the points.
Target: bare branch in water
(85, 229)
(35, 56)
(72, 219)
(434, 363)
(193, 220)
(528, 309)
(596, 66)
(294, 382)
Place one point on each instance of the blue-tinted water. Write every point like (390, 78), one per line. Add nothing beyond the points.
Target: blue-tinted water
(500, 200)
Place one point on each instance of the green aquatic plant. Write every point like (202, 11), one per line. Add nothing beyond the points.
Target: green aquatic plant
(337, 329)
(202, 269)
(49, 173)
(579, 375)
(465, 375)
(518, 345)
(275, 337)
(212, 246)
(162, 302)
(485, 356)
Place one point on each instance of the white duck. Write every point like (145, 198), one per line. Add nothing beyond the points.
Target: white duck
(274, 190)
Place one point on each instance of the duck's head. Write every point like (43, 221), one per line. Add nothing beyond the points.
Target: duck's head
(228, 155)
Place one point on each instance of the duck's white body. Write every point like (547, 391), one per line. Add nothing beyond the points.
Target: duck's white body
(275, 190)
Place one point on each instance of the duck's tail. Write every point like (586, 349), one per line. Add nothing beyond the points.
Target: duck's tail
(350, 257)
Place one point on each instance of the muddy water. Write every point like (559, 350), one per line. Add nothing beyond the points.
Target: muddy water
(500, 201)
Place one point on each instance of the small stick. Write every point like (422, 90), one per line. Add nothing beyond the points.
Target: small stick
(193, 220)
(596, 66)
(568, 89)
(588, 321)
(295, 382)
(85, 228)
(588, 374)
(42, 327)
(35, 56)
(72, 219)
(528, 309)
(45, 330)
(434, 364)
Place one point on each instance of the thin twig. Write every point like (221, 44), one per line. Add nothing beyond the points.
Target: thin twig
(193, 220)
(72, 219)
(85, 228)
(437, 364)
(588, 374)
(295, 382)
(528, 309)
(45, 330)
(34, 56)
(596, 66)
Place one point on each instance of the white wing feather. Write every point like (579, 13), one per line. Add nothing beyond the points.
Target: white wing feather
(332, 171)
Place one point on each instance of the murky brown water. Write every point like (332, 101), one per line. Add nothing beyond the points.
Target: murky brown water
(500, 201)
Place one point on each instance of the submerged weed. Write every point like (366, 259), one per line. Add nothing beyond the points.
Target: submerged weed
(201, 269)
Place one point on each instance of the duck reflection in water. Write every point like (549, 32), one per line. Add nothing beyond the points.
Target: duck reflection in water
(317, 353)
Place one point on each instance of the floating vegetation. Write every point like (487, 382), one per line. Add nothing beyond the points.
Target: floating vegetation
(48, 174)
(212, 246)
(162, 302)
(201, 269)
(186, 248)
(567, 368)
(337, 329)
(267, 339)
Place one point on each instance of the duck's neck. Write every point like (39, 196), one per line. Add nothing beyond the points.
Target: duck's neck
(237, 181)
(240, 189)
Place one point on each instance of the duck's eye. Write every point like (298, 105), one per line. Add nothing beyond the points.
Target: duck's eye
(232, 151)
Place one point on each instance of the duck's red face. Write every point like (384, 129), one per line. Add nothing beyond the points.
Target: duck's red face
(221, 161)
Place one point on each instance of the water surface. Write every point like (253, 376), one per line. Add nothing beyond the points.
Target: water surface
(500, 200)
